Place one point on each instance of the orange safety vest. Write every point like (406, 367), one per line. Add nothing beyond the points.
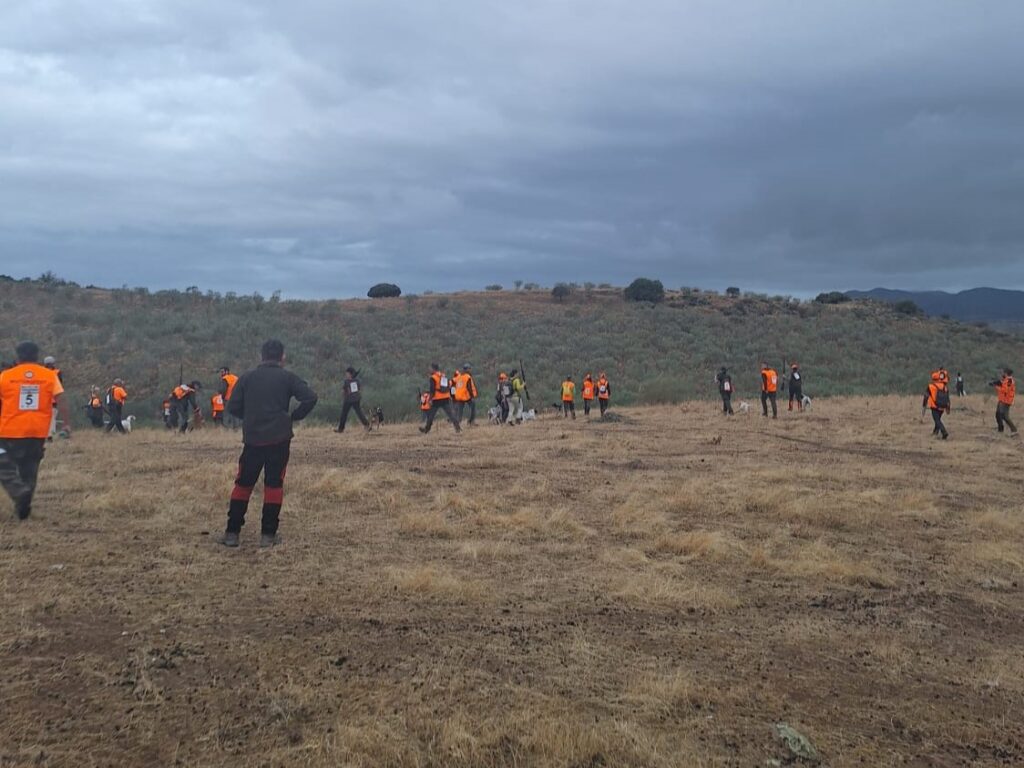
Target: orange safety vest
(95, 402)
(230, 379)
(933, 389)
(461, 383)
(769, 380)
(181, 392)
(120, 394)
(27, 394)
(217, 403)
(568, 391)
(441, 386)
(603, 390)
(1006, 389)
(588, 389)
(425, 401)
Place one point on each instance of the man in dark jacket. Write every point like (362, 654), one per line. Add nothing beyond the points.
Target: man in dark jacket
(725, 390)
(352, 395)
(261, 400)
(796, 387)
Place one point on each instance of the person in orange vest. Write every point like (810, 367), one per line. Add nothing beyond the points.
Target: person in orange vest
(94, 408)
(28, 393)
(569, 398)
(225, 388)
(936, 397)
(439, 389)
(465, 393)
(116, 397)
(588, 394)
(217, 409)
(1006, 389)
(604, 393)
(424, 405)
(183, 400)
(769, 389)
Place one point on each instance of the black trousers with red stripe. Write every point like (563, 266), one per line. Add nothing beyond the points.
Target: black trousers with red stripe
(272, 461)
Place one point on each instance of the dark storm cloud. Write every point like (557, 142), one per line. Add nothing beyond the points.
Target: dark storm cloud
(316, 147)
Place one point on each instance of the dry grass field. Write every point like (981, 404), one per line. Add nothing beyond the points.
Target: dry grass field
(656, 591)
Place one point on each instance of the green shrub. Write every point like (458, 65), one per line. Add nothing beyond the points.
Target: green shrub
(832, 297)
(645, 289)
(907, 307)
(384, 291)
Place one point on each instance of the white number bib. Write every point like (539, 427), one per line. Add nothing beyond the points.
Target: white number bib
(444, 382)
(353, 387)
(28, 397)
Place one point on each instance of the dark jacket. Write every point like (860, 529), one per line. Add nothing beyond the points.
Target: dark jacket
(796, 381)
(261, 399)
(721, 378)
(353, 394)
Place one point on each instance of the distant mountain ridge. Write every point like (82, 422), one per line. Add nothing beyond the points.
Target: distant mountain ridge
(991, 305)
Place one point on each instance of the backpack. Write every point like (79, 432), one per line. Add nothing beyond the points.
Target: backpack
(941, 398)
(506, 388)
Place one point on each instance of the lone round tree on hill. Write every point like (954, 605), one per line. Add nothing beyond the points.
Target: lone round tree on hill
(560, 291)
(644, 289)
(832, 297)
(384, 291)
(907, 307)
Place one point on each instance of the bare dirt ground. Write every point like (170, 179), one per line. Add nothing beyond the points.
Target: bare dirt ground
(657, 591)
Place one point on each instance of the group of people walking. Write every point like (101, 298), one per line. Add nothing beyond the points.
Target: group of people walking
(769, 389)
(937, 400)
(599, 390)
(459, 393)
(454, 396)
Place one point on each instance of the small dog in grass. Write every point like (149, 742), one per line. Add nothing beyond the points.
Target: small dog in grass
(494, 415)
(806, 402)
(377, 418)
(744, 407)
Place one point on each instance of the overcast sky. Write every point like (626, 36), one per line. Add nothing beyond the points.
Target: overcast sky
(320, 147)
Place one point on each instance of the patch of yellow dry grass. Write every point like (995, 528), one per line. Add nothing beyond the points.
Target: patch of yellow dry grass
(656, 590)
(711, 545)
(437, 582)
(425, 524)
